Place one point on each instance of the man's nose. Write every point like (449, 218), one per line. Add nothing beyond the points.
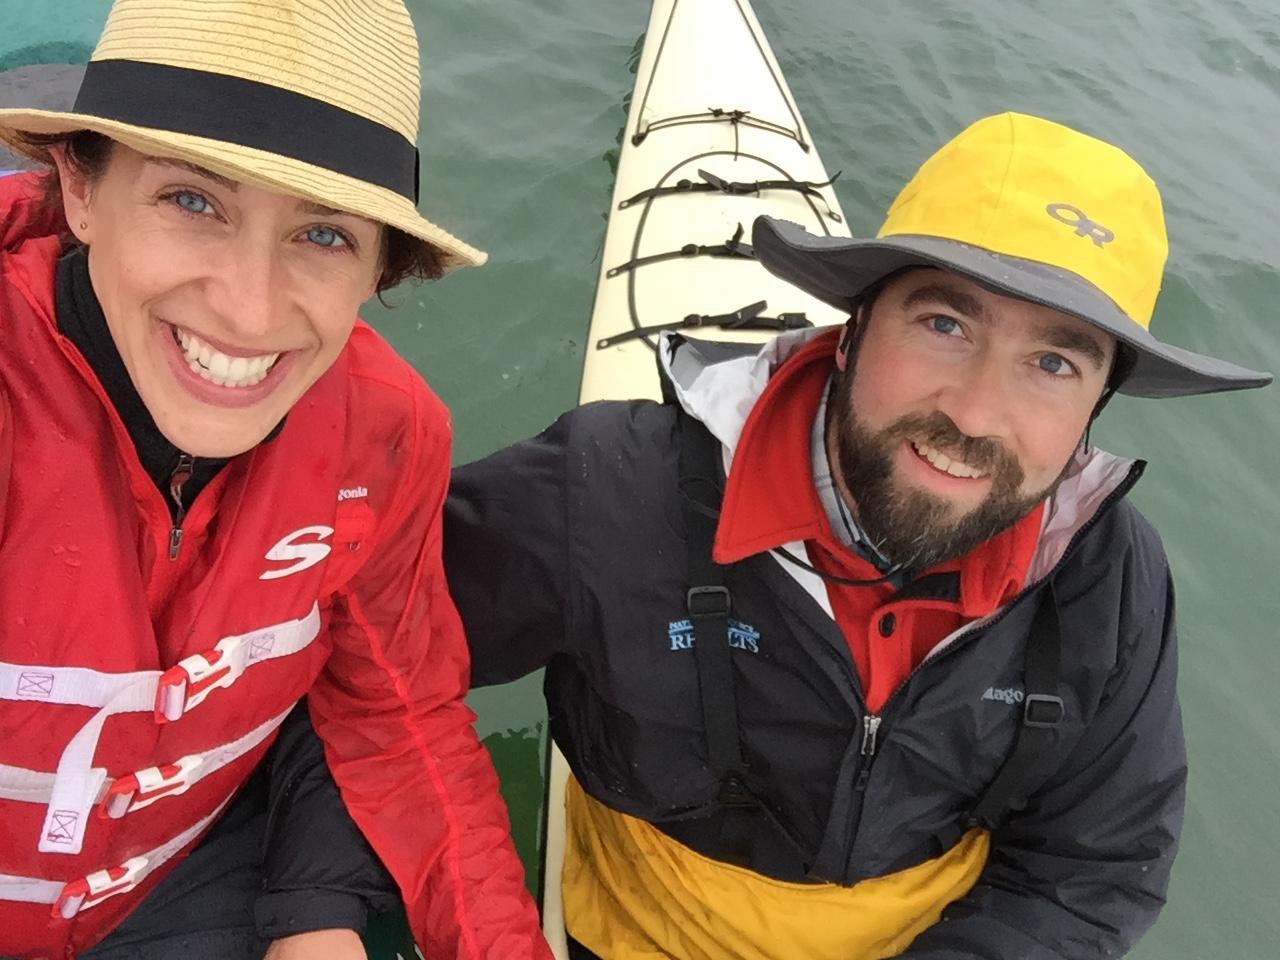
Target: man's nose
(980, 402)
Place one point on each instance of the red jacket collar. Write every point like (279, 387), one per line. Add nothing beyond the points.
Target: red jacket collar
(770, 498)
(22, 214)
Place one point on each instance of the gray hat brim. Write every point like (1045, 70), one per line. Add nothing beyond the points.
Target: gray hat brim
(837, 269)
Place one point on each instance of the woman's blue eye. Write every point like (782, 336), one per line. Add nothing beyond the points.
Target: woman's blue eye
(1052, 363)
(192, 202)
(944, 325)
(326, 237)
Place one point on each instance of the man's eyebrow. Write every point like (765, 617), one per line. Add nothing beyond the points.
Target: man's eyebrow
(195, 168)
(959, 301)
(1073, 338)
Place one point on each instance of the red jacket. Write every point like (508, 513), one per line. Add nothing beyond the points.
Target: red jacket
(139, 688)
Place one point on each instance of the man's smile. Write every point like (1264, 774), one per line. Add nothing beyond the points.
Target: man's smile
(946, 464)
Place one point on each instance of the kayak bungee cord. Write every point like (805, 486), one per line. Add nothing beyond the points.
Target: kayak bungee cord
(716, 115)
(711, 183)
(735, 118)
(735, 188)
(749, 317)
(733, 247)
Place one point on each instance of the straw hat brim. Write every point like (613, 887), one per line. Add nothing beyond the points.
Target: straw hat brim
(248, 165)
(838, 269)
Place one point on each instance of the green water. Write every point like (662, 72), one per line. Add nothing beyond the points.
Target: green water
(523, 103)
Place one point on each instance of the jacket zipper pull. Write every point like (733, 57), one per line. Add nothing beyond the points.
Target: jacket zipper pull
(870, 725)
(181, 474)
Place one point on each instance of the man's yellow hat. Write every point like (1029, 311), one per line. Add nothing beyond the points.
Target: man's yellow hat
(1031, 209)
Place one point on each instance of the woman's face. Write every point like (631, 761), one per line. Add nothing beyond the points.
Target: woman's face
(226, 301)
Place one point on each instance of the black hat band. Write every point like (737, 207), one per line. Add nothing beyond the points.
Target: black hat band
(248, 113)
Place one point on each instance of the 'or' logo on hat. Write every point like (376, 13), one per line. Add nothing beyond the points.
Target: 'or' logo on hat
(1075, 217)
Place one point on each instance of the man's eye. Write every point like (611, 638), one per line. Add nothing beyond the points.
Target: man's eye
(1056, 365)
(326, 237)
(191, 202)
(944, 325)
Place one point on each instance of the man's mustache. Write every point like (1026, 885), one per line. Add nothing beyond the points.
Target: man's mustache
(984, 454)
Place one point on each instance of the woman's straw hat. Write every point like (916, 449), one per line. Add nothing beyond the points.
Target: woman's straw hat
(315, 98)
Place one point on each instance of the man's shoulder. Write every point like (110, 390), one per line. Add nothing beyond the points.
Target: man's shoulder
(1119, 566)
(603, 418)
(601, 432)
(1124, 532)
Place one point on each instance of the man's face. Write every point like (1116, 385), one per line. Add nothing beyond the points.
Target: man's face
(226, 301)
(962, 414)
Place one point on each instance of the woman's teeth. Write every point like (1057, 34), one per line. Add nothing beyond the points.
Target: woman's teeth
(220, 369)
(944, 463)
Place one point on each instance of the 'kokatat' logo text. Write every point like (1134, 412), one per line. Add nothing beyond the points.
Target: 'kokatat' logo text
(742, 636)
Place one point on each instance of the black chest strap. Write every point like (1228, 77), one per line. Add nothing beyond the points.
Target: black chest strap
(709, 602)
(1042, 714)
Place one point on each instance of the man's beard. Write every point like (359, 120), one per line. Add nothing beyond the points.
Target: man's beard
(908, 526)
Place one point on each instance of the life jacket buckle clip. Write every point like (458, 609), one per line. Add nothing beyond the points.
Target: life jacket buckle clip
(186, 684)
(145, 787)
(98, 886)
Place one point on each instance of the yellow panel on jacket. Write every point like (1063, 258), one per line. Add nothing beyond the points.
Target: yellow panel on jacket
(633, 893)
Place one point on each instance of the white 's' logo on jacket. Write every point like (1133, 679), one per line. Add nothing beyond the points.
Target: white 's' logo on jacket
(303, 547)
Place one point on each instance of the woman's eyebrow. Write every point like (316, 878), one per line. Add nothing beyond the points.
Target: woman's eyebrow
(320, 210)
(195, 168)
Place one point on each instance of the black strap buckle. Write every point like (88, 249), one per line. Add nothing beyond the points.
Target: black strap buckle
(734, 793)
(1042, 710)
(707, 602)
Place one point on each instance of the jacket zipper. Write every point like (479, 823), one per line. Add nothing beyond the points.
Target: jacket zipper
(181, 474)
(871, 722)
(870, 727)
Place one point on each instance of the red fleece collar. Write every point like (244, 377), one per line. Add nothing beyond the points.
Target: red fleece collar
(770, 498)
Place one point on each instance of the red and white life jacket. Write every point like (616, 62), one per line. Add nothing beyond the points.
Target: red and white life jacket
(139, 685)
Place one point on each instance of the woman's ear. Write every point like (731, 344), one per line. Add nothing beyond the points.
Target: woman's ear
(75, 194)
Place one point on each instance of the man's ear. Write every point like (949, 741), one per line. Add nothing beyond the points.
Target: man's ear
(75, 194)
(847, 339)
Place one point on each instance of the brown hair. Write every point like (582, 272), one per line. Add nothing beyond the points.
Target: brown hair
(404, 256)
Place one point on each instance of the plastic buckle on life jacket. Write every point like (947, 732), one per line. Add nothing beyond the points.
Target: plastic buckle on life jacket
(145, 787)
(186, 684)
(98, 886)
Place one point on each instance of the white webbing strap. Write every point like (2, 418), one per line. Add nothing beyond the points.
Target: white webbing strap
(70, 686)
(25, 786)
(139, 789)
(98, 886)
(77, 784)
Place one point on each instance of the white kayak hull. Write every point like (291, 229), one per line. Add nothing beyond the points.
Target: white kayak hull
(710, 105)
